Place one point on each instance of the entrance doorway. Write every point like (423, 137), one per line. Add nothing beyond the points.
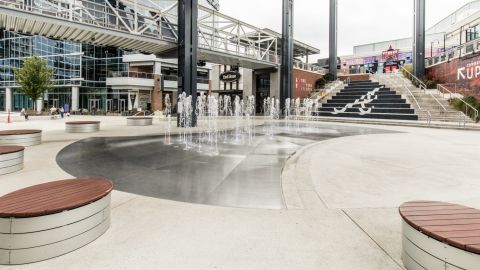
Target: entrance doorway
(55, 103)
(262, 91)
(109, 105)
(93, 103)
(122, 105)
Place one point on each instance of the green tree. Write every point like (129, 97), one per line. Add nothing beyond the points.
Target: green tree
(35, 78)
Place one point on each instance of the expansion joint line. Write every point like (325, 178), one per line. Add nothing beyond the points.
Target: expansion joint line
(371, 238)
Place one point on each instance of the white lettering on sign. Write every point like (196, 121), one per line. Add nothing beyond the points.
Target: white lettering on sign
(471, 71)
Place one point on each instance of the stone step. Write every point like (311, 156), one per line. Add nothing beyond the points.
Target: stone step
(370, 115)
(383, 100)
(373, 110)
(376, 105)
(357, 96)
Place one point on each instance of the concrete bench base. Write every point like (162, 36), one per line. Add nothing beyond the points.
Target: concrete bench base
(28, 240)
(139, 121)
(82, 127)
(11, 161)
(21, 137)
(423, 252)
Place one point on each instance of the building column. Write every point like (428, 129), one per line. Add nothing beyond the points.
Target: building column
(419, 38)
(332, 60)
(75, 98)
(275, 84)
(187, 51)
(39, 105)
(157, 91)
(8, 99)
(247, 82)
(287, 53)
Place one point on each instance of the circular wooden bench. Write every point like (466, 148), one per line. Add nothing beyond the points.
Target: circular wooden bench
(82, 126)
(26, 137)
(439, 235)
(11, 159)
(51, 219)
(139, 121)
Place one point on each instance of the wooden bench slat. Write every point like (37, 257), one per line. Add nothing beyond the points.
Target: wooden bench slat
(53, 197)
(19, 132)
(49, 199)
(444, 217)
(453, 224)
(34, 197)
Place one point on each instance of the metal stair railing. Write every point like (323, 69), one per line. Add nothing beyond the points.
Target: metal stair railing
(414, 79)
(442, 89)
(405, 86)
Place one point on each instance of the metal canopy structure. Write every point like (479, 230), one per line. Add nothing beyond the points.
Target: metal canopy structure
(419, 38)
(141, 25)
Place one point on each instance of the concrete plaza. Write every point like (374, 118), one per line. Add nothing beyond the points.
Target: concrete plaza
(341, 197)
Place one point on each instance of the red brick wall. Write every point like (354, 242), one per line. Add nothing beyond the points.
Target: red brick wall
(157, 101)
(304, 82)
(465, 73)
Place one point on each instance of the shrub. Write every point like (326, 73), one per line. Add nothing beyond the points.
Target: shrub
(320, 83)
(461, 106)
(430, 84)
(329, 77)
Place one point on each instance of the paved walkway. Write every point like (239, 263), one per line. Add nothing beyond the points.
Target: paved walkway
(341, 197)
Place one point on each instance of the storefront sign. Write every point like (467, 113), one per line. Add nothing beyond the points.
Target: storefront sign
(469, 72)
(464, 73)
(230, 76)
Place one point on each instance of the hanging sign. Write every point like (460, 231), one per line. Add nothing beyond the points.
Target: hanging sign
(230, 76)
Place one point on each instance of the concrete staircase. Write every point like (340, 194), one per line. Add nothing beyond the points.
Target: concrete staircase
(367, 100)
(429, 105)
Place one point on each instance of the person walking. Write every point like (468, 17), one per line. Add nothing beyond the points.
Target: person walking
(24, 113)
(62, 112)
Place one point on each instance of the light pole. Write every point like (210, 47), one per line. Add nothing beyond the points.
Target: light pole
(431, 46)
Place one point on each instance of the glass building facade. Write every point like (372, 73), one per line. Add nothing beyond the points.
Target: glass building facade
(75, 65)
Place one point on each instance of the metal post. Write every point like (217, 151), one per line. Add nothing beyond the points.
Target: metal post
(419, 38)
(286, 90)
(332, 63)
(187, 51)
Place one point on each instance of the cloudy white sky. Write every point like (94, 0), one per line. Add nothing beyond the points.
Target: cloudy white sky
(360, 22)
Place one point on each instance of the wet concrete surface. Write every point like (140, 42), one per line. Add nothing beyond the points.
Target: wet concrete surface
(241, 175)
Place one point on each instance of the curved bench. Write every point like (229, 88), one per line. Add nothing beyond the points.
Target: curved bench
(439, 235)
(82, 126)
(11, 159)
(52, 219)
(25, 137)
(139, 121)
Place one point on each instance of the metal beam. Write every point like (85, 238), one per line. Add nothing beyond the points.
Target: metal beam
(419, 38)
(333, 38)
(286, 89)
(187, 50)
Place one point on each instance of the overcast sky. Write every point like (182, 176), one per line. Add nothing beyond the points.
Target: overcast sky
(360, 22)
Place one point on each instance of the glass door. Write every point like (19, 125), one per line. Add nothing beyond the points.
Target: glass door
(109, 105)
(93, 104)
(122, 106)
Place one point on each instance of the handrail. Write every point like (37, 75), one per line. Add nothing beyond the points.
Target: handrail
(429, 119)
(467, 105)
(422, 85)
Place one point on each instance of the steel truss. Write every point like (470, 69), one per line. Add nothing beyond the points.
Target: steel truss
(157, 19)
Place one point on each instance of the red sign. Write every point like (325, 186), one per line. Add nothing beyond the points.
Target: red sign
(465, 73)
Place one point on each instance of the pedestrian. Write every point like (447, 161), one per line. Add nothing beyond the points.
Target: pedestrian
(62, 111)
(53, 111)
(24, 113)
